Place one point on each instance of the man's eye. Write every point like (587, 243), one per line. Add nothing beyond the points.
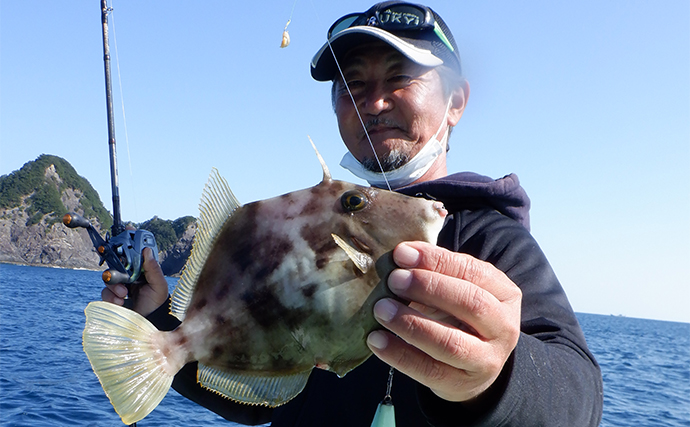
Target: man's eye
(400, 79)
(353, 84)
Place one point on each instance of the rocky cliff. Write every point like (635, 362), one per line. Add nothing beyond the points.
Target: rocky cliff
(33, 200)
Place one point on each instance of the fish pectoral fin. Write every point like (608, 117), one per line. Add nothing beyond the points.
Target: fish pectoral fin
(362, 261)
(252, 389)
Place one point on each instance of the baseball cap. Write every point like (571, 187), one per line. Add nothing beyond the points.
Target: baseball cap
(414, 30)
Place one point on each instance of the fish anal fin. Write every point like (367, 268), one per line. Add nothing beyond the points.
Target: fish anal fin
(216, 206)
(252, 389)
(362, 261)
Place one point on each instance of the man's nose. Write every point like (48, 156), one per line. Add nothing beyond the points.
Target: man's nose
(375, 101)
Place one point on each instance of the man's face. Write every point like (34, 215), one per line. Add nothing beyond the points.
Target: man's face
(401, 103)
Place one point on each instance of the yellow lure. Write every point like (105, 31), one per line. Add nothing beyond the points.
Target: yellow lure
(286, 36)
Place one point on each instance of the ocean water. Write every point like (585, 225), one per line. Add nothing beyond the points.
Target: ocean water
(46, 379)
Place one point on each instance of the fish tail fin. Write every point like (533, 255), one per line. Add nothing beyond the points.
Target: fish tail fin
(124, 351)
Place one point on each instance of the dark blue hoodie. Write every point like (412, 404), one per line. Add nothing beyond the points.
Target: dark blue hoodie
(467, 189)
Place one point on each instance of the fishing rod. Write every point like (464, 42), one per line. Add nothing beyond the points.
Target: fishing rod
(122, 248)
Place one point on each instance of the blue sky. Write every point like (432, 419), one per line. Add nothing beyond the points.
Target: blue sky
(588, 102)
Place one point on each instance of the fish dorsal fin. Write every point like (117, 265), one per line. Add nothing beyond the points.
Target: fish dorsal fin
(216, 206)
(252, 389)
(362, 261)
(326, 172)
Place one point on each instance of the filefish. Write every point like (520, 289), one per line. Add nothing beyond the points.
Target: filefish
(271, 290)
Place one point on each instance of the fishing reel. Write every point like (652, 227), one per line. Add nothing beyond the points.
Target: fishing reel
(123, 252)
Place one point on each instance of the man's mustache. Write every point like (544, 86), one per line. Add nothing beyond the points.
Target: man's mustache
(380, 122)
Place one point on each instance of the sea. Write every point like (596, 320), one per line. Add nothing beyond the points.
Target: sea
(46, 379)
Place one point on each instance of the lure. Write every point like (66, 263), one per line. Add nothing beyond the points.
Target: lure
(385, 415)
(286, 36)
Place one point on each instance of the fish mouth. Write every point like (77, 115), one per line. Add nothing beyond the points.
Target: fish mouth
(437, 222)
(440, 208)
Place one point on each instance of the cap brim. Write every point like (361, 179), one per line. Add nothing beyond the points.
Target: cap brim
(323, 66)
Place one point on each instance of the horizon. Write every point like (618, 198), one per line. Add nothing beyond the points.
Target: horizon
(177, 278)
(588, 103)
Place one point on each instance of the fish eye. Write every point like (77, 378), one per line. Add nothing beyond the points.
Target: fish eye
(354, 200)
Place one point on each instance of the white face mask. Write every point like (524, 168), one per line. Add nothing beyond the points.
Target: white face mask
(408, 173)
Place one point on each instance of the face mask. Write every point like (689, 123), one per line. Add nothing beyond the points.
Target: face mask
(410, 171)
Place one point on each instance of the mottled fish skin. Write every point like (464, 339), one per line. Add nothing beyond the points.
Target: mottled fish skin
(271, 290)
(278, 295)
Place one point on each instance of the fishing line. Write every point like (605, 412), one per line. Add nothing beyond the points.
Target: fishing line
(354, 103)
(371, 144)
(292, 11)
(124, 120)
(389, 386)
(384, 415)
(124, 117)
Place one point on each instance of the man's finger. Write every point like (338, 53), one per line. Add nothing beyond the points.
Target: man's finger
(153, 270)
(445, 380)
(430, 257)
(441, 341)
(108, 296)
(117, 289)
(458, 298)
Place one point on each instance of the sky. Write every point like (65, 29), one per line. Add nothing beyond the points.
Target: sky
(587, 102)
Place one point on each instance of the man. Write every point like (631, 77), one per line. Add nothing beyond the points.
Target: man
(489, 337)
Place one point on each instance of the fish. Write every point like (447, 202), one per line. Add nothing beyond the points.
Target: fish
(271, 290)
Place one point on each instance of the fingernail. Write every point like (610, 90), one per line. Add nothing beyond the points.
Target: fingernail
(121, 291)
(399, 280)
(385, 310)
(378, 340)
(406, 256)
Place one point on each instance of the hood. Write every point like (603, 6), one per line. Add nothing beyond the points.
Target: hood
(470, 190)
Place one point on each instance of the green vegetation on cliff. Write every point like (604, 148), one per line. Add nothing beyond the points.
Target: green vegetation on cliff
(166, 232)
(42, 191)
(31, 180)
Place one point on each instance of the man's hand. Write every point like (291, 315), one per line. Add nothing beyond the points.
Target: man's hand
(461, 326)
(151, 295)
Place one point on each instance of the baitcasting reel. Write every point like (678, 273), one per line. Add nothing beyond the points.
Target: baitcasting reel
(122, 252)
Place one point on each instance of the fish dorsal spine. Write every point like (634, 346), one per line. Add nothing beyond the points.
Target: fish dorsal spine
(326, 172)
(216, 206)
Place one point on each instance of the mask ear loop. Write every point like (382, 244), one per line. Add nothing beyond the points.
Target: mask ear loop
(385, 413)
(443, 122)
